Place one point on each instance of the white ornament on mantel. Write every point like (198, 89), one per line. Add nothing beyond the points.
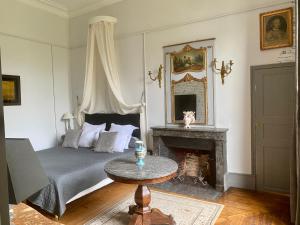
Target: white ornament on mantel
(189, 117)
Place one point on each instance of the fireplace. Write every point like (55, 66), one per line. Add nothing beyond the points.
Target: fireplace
(199, 152)
(195, 167)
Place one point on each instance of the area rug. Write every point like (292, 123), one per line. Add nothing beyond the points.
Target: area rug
(193, 190)
(185, 211)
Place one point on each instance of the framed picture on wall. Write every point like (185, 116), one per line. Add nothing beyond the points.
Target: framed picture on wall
(11, 90)
(189, 59)
(276, 29)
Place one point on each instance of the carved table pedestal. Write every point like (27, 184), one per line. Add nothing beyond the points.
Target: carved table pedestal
(155, 170)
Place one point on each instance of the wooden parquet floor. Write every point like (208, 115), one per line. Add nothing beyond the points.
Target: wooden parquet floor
(242, 207)
(253, 208)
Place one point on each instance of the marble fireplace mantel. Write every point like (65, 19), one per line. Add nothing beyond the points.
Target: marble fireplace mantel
(197, 138)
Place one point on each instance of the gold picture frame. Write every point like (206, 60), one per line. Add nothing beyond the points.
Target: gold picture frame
(11, 90)
(189, 59)
(276, 29)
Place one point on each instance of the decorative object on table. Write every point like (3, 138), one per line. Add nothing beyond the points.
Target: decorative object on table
(189, 82)
(158, 76)
(140, 153)
(67, 117)
(26, 175)
(276, 29)
(11, 90)
(156, 170)
(189, 117)
(224, 71)
(186, 210)
(189, 59)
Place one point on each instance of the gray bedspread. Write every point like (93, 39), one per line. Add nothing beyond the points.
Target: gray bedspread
(70, 171)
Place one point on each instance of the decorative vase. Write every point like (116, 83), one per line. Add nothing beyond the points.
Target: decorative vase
(188, 118)
(140, 153)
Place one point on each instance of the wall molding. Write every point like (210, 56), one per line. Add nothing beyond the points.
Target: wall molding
(52, 74)
(239, 180)
(92, 7)
(54, 96)
(48, 6)
(34, 40)
(196, 20)
(63, 11)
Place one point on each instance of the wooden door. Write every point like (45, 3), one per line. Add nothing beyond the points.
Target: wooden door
(273, 108)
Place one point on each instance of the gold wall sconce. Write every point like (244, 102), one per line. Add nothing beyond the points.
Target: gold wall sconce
(224, 70)
(158, 77)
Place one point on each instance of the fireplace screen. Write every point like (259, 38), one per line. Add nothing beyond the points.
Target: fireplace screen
(194, 166)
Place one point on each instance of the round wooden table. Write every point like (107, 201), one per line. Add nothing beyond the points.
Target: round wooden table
(156, 170)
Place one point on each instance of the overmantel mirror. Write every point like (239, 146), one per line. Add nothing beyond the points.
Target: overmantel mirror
(189, 82)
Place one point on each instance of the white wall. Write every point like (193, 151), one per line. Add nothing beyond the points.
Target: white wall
(62, 91)
(17, 18)
(234, 24)
(136, 16)
(34, 46)
(237, 38)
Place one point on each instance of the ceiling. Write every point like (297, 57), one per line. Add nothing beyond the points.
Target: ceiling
(70, 8)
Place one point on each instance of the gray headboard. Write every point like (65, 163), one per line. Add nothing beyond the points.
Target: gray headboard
(108, 118)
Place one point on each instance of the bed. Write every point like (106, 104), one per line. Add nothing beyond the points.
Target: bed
(74, 173)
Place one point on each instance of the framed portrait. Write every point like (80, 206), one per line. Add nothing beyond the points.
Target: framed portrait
(11, 90)
(189, 59)
(276, 29)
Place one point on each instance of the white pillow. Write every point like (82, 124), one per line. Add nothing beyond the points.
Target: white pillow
(125, 130)
(90, 134)
(111, 142)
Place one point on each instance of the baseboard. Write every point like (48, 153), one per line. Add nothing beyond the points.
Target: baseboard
(238, 180)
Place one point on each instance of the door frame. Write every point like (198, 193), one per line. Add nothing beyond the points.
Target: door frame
(252, 86)
(4, 208)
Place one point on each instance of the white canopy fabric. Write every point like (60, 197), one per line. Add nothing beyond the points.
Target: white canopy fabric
(102, 90)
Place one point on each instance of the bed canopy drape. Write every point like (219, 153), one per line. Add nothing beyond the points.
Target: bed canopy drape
(102, 89)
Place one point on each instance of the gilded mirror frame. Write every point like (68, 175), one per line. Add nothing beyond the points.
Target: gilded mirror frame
(189, 78)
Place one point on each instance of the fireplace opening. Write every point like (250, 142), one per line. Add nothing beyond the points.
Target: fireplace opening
(195, 167)
(199, 168)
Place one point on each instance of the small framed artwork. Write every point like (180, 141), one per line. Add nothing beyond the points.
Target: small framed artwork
(11, 90)
(276, 29)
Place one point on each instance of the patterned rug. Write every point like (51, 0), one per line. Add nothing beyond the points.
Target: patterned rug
(193, 190)
(185, 211)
